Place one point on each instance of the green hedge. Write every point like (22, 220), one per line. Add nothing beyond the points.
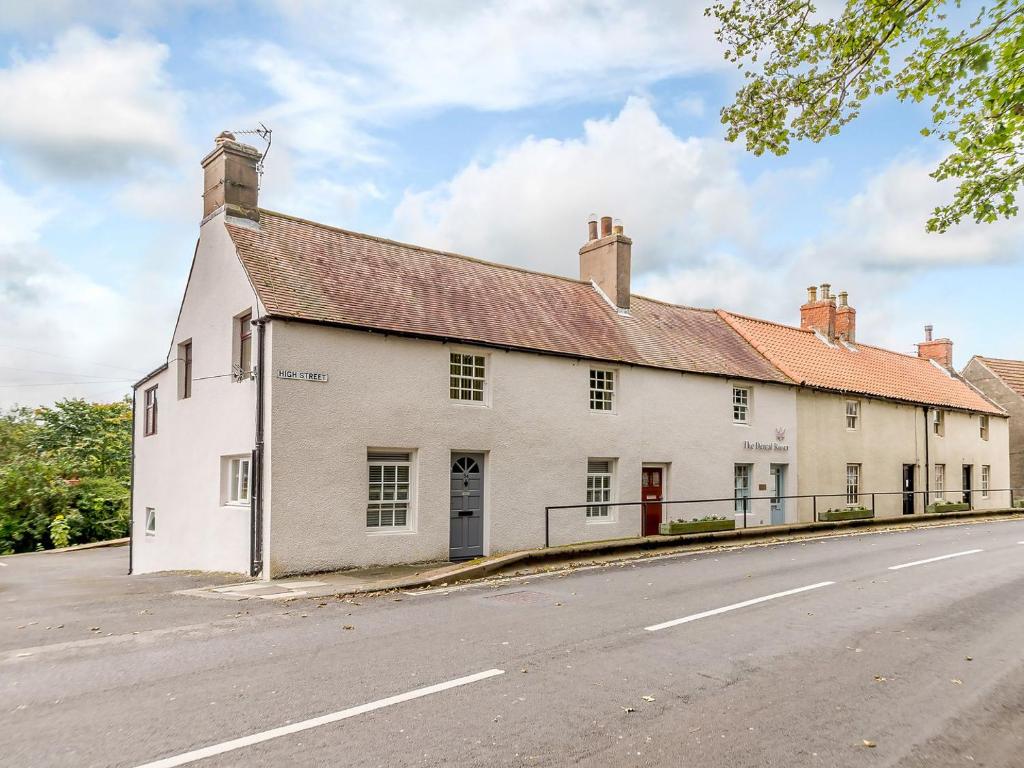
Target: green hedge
(848, 513)
(947, 506)
(698, 526)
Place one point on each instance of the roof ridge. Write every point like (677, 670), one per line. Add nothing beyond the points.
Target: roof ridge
(807, 330)
(474, 259)
(999, 359)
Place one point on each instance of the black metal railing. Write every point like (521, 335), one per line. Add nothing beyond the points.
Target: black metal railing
(742, 504)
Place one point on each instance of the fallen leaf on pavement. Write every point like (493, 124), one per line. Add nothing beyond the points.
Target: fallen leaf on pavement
(348, 626)
(647, 698)
(869, 744)
(628, 709)
(957, 681)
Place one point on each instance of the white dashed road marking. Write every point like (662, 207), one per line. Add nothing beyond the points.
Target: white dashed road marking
(734, 606)
(305, 725)
(935, 559)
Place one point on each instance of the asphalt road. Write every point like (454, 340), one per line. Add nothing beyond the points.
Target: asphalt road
(676, 661)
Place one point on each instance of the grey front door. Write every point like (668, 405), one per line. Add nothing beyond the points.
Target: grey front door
(466, 540)
(778, 501)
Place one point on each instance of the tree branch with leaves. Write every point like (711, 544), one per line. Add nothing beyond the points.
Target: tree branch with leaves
(807, 78)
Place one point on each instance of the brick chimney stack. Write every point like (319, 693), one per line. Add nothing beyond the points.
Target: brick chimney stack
(231, 178)
(939, 350)
(846, 319)
(819, 313)
(605, 259)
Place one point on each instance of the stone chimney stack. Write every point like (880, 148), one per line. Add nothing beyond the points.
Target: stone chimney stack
(846, 319)
(605, 259)
(819, 313)
(939, 350)
(231, 178)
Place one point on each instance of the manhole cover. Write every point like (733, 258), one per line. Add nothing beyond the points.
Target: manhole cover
(522, 597)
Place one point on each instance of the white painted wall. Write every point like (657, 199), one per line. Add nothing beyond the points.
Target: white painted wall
(889, 436)
(178, 470)
(537, 433)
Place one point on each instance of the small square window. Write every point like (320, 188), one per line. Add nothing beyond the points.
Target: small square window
(741, 405)
(466, 377)
(150, 521)
(602, 389)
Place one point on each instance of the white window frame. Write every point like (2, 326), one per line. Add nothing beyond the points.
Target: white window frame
(854, 480)
(150, 521)
(939, 423)
(742, 501)
(983, 426)
(600, 485)
(233, 480)
(460, 383)
(939, 492)
(986, 480)
(398, 460)
(852, 415)
(742, 398)
(602, 396)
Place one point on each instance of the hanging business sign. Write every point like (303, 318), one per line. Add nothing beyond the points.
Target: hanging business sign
(301, 375)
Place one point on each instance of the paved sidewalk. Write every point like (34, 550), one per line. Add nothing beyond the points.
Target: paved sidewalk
(442, 574)
(325, 584)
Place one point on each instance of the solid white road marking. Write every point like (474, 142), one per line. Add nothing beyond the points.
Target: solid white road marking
(734, 606)
(4, 565)
(935, 559)
(273, 733)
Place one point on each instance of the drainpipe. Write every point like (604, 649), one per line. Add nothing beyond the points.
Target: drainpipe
(256, 498)
(927, 461)
(131, 492)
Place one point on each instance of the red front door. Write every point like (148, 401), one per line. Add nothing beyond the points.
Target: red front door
(651, 490)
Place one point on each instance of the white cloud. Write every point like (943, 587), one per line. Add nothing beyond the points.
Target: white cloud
(43, 15)
(529, 206)
(90, 105)
(884, 225)
(498, 55)
(21, 219)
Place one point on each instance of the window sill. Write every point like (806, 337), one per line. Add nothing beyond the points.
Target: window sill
(601, 521)
(741, 424)
(397, 532)
(235, 505)
(469, 403)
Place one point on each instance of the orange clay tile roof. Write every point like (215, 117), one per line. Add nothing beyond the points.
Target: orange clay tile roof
(1011, 372)
(313, 272)
(869, 371)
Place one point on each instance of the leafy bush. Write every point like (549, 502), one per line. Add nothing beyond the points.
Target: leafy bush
(64, 474)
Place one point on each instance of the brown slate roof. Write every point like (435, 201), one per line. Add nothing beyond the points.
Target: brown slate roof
(318, 273)
(869, 371)
(1010, 372)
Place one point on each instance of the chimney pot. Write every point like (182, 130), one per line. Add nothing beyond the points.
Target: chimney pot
(819, 313)
(617, 226)
(592, 227)
(927, 333)
(843, 297)
(606, 226)
(826, 291)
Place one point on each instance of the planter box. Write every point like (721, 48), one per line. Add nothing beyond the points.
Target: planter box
(854, 513)
(949, 506)
(1018, 504)
(706, 526)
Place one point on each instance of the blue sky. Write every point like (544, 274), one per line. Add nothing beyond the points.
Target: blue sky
(488, 128)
